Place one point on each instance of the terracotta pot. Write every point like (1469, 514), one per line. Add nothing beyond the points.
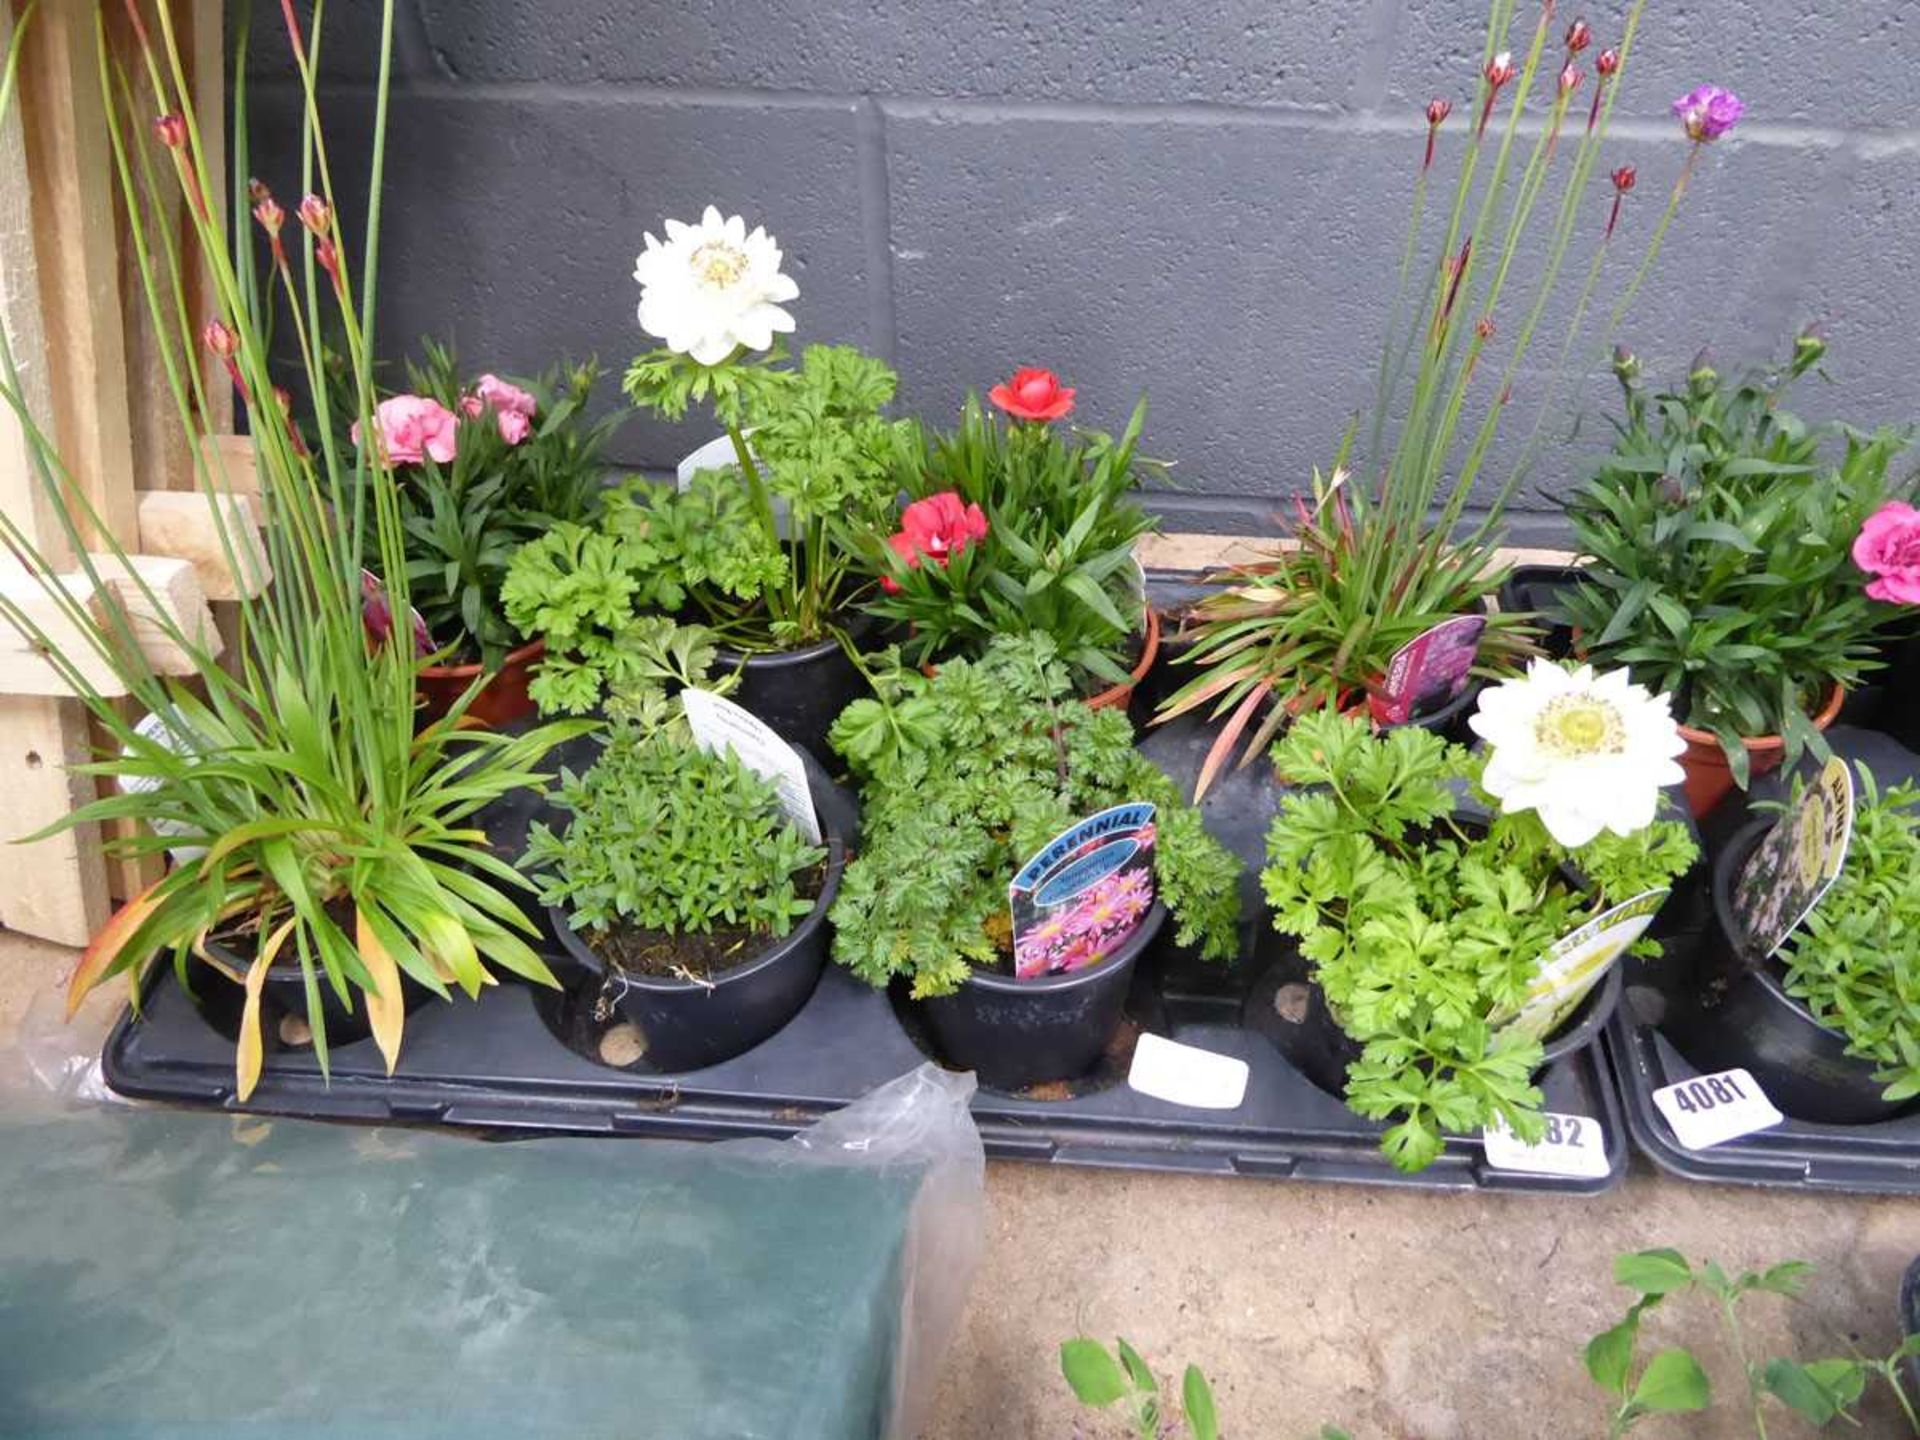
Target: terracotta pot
(1117, 697)
(501, 702)
(1709, 778)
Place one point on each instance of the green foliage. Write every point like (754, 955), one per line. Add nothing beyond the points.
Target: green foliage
(1057, 559)
(667, 837)
(820, 442)
(1315, 625)
(1424, 932)
(1101, 1379)
(1719, 535)
(465, 520)
(1855, 960)
(297, 766)
(966, 775)
(595, 592)
(1673, 1381)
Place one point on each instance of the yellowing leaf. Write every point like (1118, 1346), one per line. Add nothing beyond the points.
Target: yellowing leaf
(99, 956)
(386, 1011)
(251, 1051)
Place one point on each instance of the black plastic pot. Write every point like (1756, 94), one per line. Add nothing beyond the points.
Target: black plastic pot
(801, 692)
(1536, 589)
(687, 1025)
(1018, 1033)
(1299, 1021)
(285, 991)
(1899, 686)
(1744, 1018)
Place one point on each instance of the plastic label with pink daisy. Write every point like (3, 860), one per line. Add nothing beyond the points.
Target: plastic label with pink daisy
(1086, 890)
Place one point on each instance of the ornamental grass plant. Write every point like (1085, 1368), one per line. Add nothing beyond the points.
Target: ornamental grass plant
(1382, 548)
(332, 835)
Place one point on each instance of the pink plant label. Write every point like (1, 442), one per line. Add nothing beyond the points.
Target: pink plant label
(1084, 893)
(1429, 670)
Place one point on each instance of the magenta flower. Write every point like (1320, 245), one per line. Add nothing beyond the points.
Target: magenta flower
(1888, 548)
(1709, 112)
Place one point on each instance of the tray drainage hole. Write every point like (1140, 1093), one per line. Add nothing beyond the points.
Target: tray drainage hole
(1290, 1002)
(294, 1030)
(623, 1045)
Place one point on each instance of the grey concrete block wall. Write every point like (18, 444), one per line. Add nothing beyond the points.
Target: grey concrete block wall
(1202, 201)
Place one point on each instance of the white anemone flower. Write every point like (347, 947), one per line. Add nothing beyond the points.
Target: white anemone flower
(712, 288)
(1588, 752)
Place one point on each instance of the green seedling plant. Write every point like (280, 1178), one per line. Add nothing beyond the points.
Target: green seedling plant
(1673, 1381)
(820, 443)
(964, 775)
(1718, 537)
(1855, 961)
(1425, 932)
(1057, 558)
(596, 592)
(1102, 1379)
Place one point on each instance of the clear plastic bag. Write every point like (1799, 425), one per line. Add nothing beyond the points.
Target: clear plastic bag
(174, 1274)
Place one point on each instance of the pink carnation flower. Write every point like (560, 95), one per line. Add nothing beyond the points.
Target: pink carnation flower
(412, 428)
(1888, 548)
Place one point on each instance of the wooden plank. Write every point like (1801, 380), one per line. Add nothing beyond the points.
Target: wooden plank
(55, 888)
(1197, 552)
(203, 41)
(70, 170)
(153, 588)
(189, 526)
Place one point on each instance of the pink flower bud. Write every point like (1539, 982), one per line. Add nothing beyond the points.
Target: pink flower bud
(1624, 178)
(328, 259)
(271, 217)
(1483, 327)
(1570, 77)
(1579, 37)
(170, 130)
(1607, 63)
(1500, 69)
(317, 216)
(220, 340)
(1438, 111)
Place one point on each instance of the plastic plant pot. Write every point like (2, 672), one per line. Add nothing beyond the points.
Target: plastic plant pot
(1316, 1045)
(691, 1024)
(1019, 1033)
(502, 701)
(1745, 1019)
(800, 692)
(1710, 779)
(285, 989)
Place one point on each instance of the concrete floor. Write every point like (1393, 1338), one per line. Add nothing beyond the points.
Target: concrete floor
(1399, 1316)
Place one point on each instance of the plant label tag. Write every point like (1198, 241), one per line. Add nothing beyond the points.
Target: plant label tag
(1580, 960)
(1796, 863)
(1186, 1075)
(1716, 1108)
(1087, 890)
(719, 724)
(170, 734)
(1574, 1146)
(1428, 670)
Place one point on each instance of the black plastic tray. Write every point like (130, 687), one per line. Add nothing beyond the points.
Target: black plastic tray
(523, 1060)
(499, 1065)
(1882, 1158)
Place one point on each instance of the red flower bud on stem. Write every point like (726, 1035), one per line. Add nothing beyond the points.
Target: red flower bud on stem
(224, 344)
(1605, 66)
(267, 211)
(170, 130)
(1437, 112)
(1498, 72)
(1623, 181)
(1579, 37)
(1570, 77)
(317, 216)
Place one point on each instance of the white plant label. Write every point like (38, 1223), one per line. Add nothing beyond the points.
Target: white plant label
(1579, 961)
(1575, 1146)
(170, 736)
(1796, 863)
(1714, 1109)
(1187, 1075)
(719, 724)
